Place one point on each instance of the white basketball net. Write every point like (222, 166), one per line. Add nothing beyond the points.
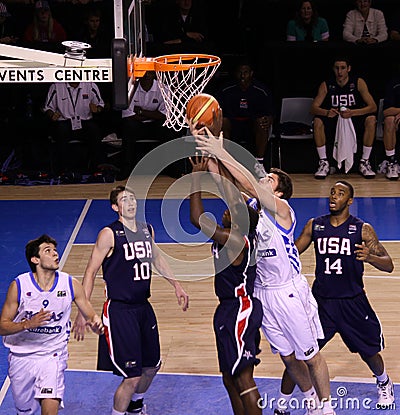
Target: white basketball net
(177, 87)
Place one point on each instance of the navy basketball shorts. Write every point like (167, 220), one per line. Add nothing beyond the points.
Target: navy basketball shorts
(130, 341)
(354, 320)
(330, 125)
(236, 326)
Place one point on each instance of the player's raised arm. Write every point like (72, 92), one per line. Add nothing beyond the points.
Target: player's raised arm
(372, 251)
(263, 192)
(203, 222)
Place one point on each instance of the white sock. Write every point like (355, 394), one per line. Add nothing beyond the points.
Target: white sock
(390, 153)
(366, 152)
(311, 397)
(383, 377)
(283, 401)
(115, 412)
(321, 152)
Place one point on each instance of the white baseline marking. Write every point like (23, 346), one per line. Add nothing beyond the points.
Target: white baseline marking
(4, 389)
(75, 232)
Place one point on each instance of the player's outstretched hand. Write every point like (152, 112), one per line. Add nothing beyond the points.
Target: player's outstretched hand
(183, 298)
(209, 144)
(79, 327)
(199, 163)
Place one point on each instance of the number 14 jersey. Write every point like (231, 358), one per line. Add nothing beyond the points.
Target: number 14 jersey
(338, 273)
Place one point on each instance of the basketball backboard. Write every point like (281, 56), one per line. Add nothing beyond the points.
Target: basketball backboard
(129, 40)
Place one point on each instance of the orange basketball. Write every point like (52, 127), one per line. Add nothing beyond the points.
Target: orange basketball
(200, 109)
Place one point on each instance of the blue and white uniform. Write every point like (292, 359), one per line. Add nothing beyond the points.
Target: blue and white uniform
(130, 341)
(290, 322)
(38, 356)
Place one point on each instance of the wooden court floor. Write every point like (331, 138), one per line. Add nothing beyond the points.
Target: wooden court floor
(187, 339)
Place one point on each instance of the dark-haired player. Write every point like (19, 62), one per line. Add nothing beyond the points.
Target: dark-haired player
(127, 253)
(35, 325)
(343, 90)
(342, 243)
(238, 317)
(290, 323)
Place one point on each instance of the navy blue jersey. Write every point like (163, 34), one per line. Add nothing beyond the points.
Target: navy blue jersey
(343, 96)
(392, 94)
(233, 281)
(338, 273)
(127, 272)
(254, 102)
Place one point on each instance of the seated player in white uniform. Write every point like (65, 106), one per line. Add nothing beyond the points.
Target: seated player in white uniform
(35, 323)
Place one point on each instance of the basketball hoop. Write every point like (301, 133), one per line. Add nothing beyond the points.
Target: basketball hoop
(179, 77)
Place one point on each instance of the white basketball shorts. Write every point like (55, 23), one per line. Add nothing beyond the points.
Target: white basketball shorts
(36, 377)
(291, 322)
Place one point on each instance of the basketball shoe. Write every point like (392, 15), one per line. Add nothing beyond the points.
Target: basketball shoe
(392, 171)
(323, 169)
(138, 411)
(385, 394)
(366, 169)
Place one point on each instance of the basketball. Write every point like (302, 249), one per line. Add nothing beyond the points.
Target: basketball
(201, 108)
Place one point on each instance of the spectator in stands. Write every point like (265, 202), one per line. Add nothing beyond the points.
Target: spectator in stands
(143, 120)
(70, 107)
(391, 112)
(307, 25)
(365, 25)
(248, 111)
(95, 34)
(394, 26)
(185, 28)
(7, 31)
(44, 29)
(348, 97)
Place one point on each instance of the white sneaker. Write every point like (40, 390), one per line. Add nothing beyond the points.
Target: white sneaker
(385, 394)
(392, 171)
(366, 169)
(323, 169)
(313, 407)
(382, 168)
(315, 411)
(142, 411)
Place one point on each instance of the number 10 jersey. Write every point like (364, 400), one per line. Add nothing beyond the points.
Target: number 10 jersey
(127, 271)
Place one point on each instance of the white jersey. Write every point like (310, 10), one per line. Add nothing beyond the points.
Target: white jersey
(70, 102)
(278, 261)
(151, 100)
(52, 336)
